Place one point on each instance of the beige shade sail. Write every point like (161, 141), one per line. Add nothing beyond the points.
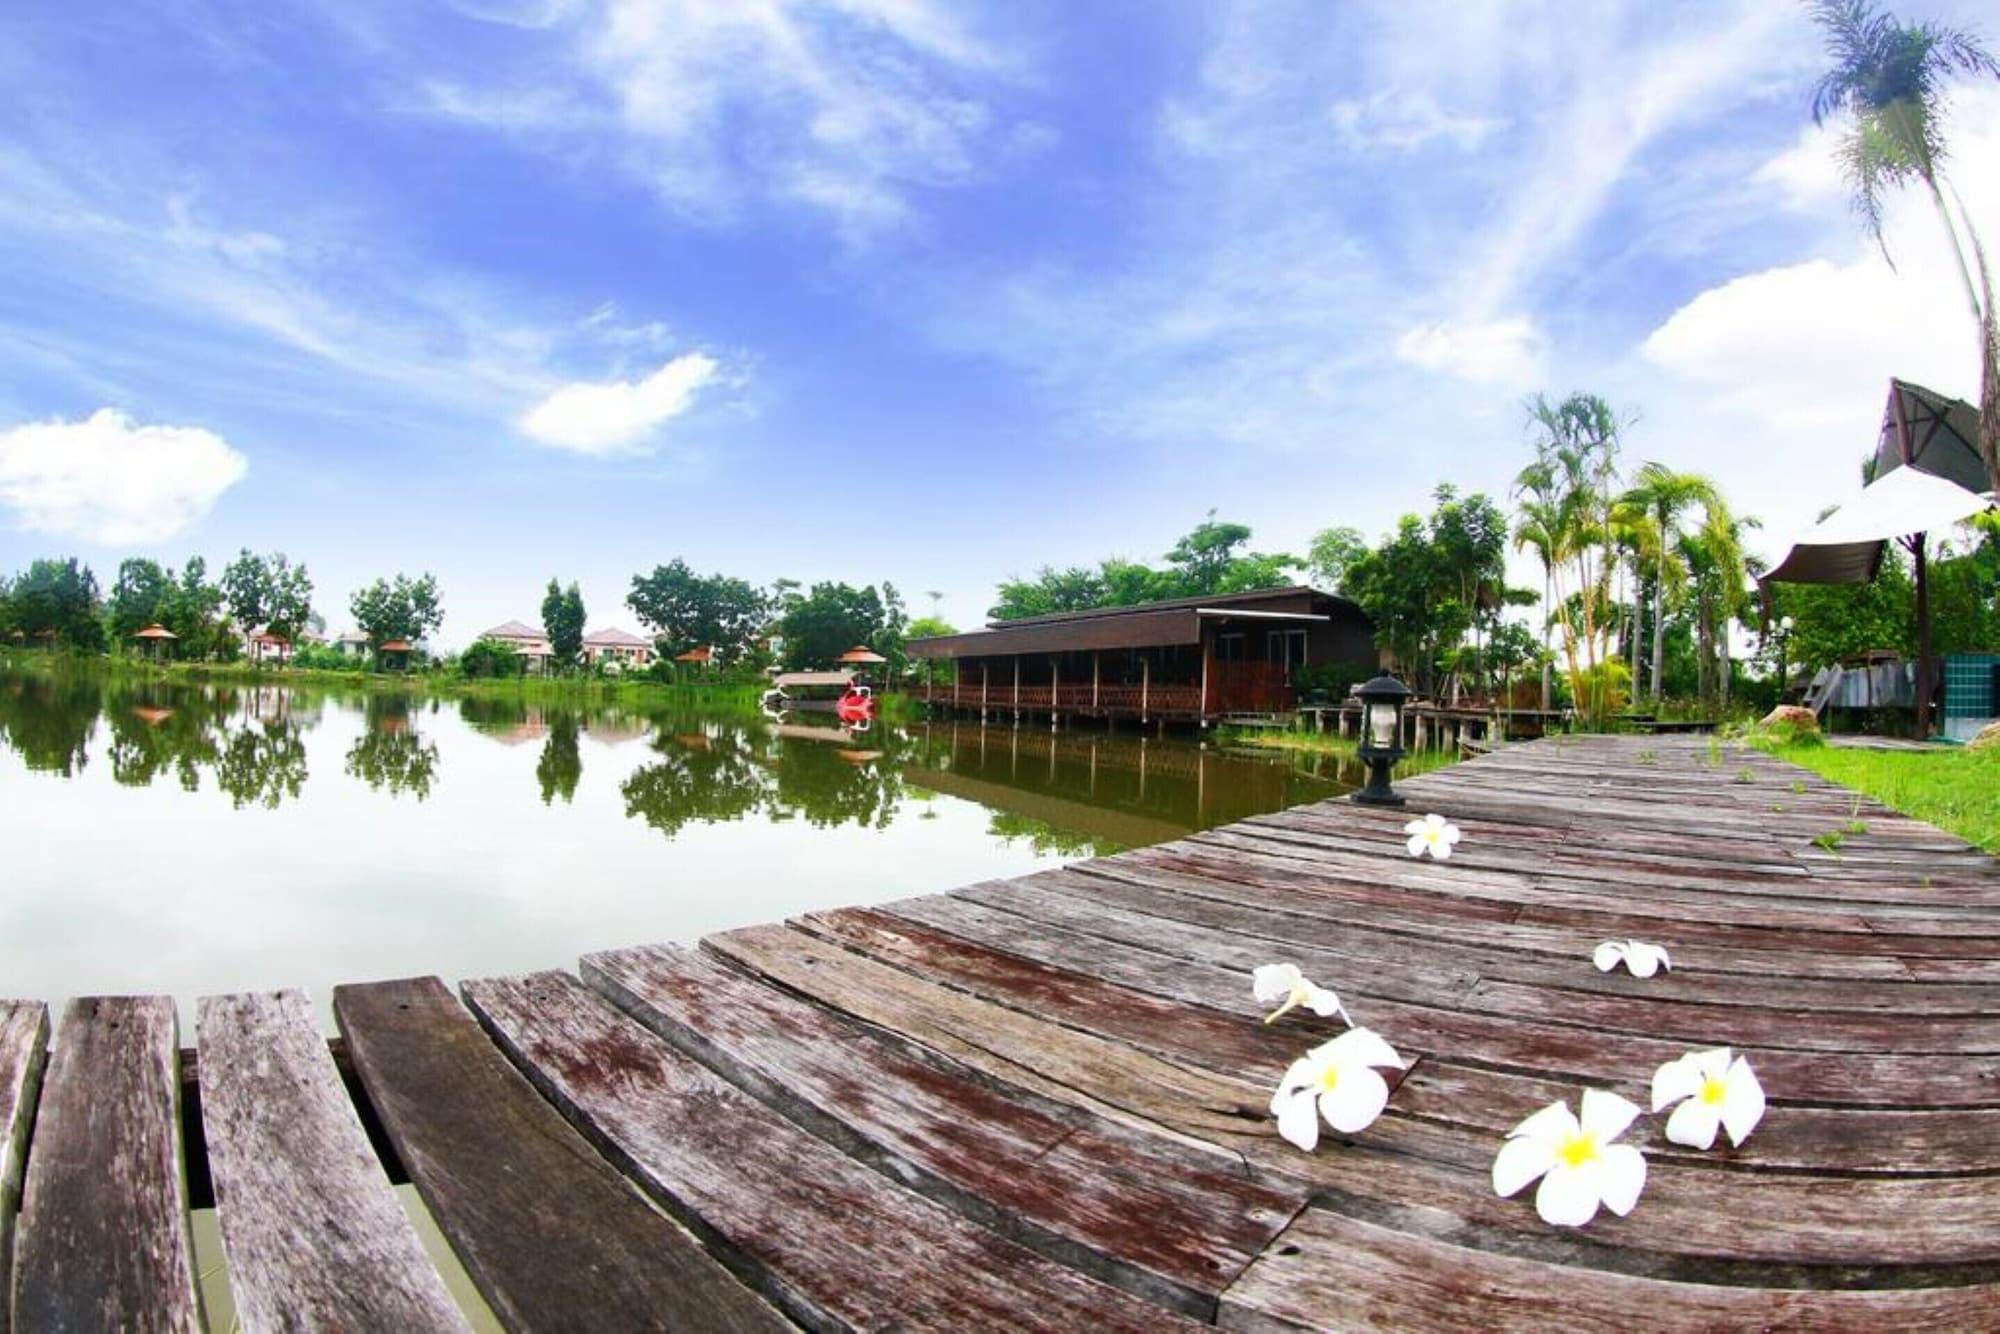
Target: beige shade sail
(1846, 546)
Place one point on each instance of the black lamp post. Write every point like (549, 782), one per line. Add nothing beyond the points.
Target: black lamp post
(1382, 702)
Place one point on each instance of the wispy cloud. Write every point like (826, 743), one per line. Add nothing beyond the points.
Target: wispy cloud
(621, 416)
(1404, 122)
(844, 109)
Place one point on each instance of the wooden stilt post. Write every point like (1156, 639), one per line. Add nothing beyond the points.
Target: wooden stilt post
(1017, 687)
(1096, 679)
(1201, 710)
(1055, 697)
(985, 681)
(1145, 688)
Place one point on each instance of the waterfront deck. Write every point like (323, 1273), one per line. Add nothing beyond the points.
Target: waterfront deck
(1041, 1103)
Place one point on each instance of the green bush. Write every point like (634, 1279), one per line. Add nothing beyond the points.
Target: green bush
(485, 659)
(1328, 682)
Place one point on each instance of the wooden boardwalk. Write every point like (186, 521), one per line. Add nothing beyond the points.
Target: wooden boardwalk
(1042, 1103)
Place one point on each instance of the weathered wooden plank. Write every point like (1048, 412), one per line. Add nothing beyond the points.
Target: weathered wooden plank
(103, 1235)
(1061, 1182)
(24, 1034)
(552, 1234)
(1334, 1272)
(314, 1235)
(1944, 1224)
(834, 1242)
(1050, 977)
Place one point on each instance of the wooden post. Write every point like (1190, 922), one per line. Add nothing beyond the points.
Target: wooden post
(985, 680)
(1423, 731)
(1017, 687)
(1055, 696)
(1201, 711)
(1925, 688)
(1145, 687)
(1096, 675)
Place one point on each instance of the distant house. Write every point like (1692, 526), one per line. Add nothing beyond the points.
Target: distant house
(530, 643)
(617, 646)
(353, 644)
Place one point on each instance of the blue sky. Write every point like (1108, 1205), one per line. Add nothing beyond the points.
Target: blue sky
(869, 289)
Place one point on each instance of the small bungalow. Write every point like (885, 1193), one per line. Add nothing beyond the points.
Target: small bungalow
(617, 646)
(1185, 660)
(352, 644)
(264, 646)
(531, 644)
(394, 656)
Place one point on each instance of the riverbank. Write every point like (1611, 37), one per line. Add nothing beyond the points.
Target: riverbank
(1957, 790)
(630, 692)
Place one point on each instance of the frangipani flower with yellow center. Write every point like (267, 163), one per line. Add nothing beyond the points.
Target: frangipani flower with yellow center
(1431, 834)
(1284, 985)
(1639, 958)
(1335, 1080)
(1579, 1166)
(1712, 1091)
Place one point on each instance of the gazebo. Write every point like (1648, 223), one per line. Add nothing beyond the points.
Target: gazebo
(860, 655)
(154, 638)
(703, 656)
(1927, 475)
(394, 655)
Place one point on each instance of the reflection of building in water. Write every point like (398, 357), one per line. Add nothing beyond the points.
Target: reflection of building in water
(1126, 790)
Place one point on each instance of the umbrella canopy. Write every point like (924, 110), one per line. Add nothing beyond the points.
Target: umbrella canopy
(1932, 433)
(702, 654)
(1846, 547)
(156, 632)
(861, 653)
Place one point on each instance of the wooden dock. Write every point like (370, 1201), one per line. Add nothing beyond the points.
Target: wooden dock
(1042, 1103)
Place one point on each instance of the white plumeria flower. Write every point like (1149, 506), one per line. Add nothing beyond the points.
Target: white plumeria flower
(1335, 1080)
(1284, 984)
(1639, 958)
(1717, 1092)
(1431, 834)
(1579, 1166)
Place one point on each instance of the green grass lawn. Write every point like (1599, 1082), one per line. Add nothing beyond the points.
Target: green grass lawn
(1957, 790)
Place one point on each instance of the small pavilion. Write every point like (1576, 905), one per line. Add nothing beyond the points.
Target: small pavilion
(153, 639)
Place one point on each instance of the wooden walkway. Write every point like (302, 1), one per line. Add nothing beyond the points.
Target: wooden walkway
(1042, 1103)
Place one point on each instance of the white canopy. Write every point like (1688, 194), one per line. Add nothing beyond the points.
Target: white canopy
(1846, 546)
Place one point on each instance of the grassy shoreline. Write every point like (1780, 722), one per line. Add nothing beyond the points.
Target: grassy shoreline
(1956, 790)
(582, 691)
(1326, 743)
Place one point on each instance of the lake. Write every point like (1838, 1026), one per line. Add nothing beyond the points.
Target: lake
(185, 839)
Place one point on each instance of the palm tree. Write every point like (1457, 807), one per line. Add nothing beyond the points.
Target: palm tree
(1667, 495)
(1566, 494)
(1720, 574)
(1537, 530)
(1888, 80)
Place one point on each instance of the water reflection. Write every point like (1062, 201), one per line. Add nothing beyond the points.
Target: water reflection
(165, 837)
(1069, 794)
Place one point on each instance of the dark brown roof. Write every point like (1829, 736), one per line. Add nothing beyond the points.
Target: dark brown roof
(1143, 625)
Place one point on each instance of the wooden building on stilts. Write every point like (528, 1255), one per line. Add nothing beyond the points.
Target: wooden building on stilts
(1186, 661)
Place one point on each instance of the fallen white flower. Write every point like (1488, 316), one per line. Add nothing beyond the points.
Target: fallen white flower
(1273, 983)
(1712, 1091)
(1433, 835)
(1334, 1080)
(1639, 958)
(1579, 1166)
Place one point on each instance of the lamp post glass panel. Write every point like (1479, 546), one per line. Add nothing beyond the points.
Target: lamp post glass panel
(1382, 702)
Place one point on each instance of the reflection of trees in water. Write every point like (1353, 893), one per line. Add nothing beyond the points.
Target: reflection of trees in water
(710, 783)
(389, 755)
(560, 766)
(49, 722)
(263, 764)
(1048, 840)
(157, 730)
(711, 771)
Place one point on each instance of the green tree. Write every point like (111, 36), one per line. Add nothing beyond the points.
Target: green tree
(1666, 496)
(57, 601)
(1887, 84)
(1566, 498)
(268, 593)
(488, 659)
(138, 597)
(829, 620)
(1212, 559)
(686, 610)
(399, 608)
(193, 611)
(1333, 553)
(562, 622)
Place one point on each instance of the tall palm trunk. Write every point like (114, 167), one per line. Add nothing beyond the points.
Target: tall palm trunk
(1660, 618)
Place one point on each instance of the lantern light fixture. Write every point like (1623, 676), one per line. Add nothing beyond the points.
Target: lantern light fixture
(1383, 701)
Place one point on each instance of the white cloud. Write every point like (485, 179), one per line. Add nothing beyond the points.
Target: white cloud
(109, 479)
(1503, 352)
(618, 417)
(1405, 122)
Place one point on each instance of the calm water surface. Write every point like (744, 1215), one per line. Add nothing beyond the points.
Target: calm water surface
(189, 840)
